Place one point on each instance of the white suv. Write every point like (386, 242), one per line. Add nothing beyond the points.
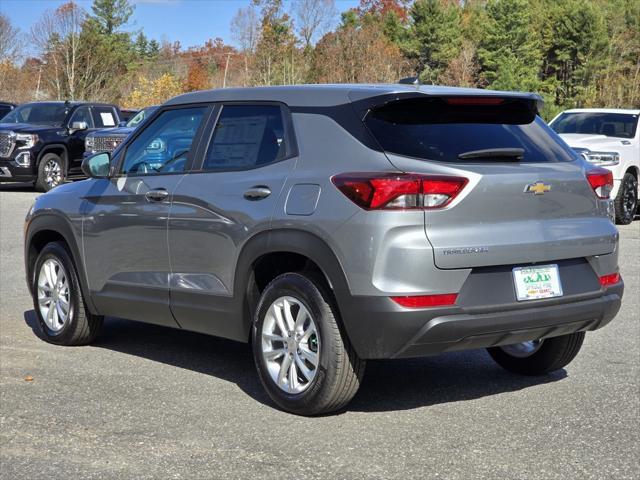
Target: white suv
(608, 138)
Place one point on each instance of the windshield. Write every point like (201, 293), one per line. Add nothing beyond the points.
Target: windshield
(4, 109)
(621, 125)
(452, 131)
(140, 116)
(52, 114)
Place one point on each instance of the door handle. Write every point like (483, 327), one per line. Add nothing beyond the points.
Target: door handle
(156, 195)
(257, 193)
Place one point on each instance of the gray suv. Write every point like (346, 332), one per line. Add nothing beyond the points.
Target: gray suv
(328, 225)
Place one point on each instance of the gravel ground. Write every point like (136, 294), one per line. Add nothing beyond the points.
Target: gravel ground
(149, 402)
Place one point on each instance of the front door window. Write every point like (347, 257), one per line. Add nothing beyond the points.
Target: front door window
(164, 146)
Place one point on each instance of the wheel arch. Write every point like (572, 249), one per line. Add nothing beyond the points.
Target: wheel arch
(306, 250)
(47, 228)
(633, 170)
(59, 149)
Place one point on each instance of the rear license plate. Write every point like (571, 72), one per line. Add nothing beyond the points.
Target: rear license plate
(537, 282)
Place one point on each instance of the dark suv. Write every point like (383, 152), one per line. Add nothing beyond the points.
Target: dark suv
(328, 225)
(6, 107)
(107, 140)
(43, 142)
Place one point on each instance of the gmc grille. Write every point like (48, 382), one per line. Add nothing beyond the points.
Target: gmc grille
(107, 144)
(6, 144)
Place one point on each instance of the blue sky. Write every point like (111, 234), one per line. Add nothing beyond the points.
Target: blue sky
(191, 22)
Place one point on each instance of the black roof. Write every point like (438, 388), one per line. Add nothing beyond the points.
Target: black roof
(73, 103)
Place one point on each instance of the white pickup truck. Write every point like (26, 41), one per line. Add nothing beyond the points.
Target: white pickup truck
(608, 138)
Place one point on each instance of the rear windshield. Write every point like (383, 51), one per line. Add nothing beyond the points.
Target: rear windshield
(433, 129)
(621, 125)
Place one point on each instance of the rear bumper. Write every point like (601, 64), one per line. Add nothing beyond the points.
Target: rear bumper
(378, 328)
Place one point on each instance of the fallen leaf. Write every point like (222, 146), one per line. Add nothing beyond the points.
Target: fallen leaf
(28, 378)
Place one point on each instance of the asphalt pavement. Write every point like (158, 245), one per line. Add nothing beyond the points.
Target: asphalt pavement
(148, 402)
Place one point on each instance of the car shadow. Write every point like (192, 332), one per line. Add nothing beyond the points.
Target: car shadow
(389, 385)
(16, 187)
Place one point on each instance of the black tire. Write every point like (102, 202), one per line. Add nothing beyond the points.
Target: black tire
(339, 372)
(626, 202)
(81, 327)
(554, 353)
(45, 182)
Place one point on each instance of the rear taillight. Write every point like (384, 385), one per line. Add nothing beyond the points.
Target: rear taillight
(426, 301)
(399, 191)
(601, 180)
(611, 279)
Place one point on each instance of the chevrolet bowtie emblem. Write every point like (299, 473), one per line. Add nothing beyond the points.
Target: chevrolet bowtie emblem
(537, 188)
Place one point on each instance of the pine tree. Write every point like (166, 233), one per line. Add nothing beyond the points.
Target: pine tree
(141, 45)
(435, 37)
(111, 14)
(509, 46)
(154, 49)
(576, 50)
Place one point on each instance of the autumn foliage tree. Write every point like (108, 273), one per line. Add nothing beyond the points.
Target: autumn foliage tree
(576, 53)
(197, 77)
(358, 52)
(154, 92)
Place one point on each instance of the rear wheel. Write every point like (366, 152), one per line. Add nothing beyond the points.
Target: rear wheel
(626, 202)
(304, 360)
(51, 172)
(538, 357)
(57, 299)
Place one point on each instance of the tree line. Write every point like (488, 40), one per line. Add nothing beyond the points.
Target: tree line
(576, 53)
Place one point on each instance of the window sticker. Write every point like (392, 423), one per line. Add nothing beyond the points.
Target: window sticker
(237, 141)
(107, 119)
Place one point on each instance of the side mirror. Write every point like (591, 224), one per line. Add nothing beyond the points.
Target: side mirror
(123, 123)
(96, 166)
(77, 126)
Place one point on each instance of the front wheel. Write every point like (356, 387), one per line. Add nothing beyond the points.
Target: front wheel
(57, 299)
(626, 202)
(538, 357)
(304, 360)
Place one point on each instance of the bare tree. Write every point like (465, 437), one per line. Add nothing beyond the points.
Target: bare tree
(9, 40)
(9, 53)
(313, 18)
(75, 64)
(245, 29)
(462, 70)
(57, 35)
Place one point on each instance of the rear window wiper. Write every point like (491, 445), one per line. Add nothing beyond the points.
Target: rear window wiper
(514, 154)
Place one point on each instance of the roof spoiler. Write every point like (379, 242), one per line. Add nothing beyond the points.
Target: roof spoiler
(533, 101)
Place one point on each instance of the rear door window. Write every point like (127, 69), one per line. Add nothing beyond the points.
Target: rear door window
(245, 137)
(433, 129)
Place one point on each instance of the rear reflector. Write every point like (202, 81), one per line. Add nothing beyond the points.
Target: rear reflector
(399, 191)
(425, 301)
(610, 279)
(601, 180)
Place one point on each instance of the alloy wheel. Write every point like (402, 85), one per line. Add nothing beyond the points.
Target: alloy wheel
(290, 345)
(630, 196)
(52, 173)
(54, 298)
